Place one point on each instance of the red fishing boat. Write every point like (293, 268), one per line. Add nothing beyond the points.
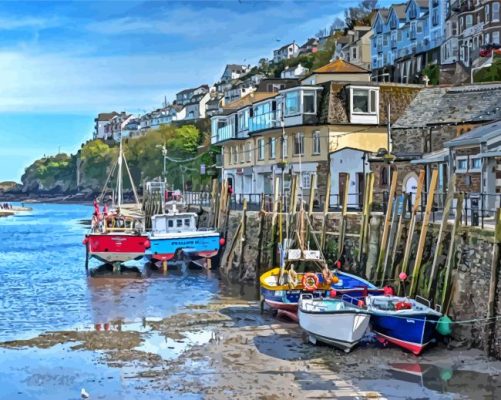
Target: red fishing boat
(114, 237)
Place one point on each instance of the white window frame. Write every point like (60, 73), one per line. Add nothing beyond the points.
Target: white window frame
(312, 93)
(249, 151)
(299, 140)
(487, 14)
(288, 113)
(285, 147)
(495, 17)
(260, 149)
(316, 148)
(497, 40)
(272, 142)
(460, 159)
(373, 108)
(306, 183)
(472, 164)
(235, 155)
(230, 158)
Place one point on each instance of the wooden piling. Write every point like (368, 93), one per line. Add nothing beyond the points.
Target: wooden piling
(391, 239)
(366, 213)
(440, 239)
(452, 251)
(493, 284)
(242, 238)
(326, 211)
(313, 185)
(386, 226)
(424, 231)
(412, 222)
(342, 225)
(398, 238)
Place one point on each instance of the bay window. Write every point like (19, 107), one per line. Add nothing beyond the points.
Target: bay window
(309, 102)
(495, 12)
(292, 103)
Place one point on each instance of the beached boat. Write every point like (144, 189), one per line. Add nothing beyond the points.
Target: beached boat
(176, 233)
(115, 236)
(332, 321)
(405, 322)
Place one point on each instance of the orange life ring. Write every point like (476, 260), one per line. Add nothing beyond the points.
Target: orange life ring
(310, 281)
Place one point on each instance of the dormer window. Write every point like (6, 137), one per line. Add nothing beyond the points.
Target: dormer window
(300, 101)
(364, 102)
(412, 11)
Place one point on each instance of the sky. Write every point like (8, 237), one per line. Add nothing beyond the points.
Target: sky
(62, 62)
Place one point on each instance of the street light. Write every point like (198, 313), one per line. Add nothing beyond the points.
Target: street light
(486, 65)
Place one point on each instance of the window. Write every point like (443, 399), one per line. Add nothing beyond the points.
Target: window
(235, 155)
(187, 222)
(170, 223)
(495, 37)
(354, 53)
(454, 28)
(364, 101)
(291, 103)
(299, 144)
(316, 142)
(272, 144)
(476, 163)
(487, 12)
(419, 28)
(495, 12)
(260, 149)
(285, 147)
(179, 223)
(309, 102)
(243, 120)
(469, 21)
(412, 11)
(385, 40)
(230, 155)
(462, 164)
(306, 180)
(461, 24)
(434, 17)
(249, 151)
(399, 36)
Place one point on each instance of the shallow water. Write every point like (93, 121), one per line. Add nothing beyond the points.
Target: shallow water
(44, 287)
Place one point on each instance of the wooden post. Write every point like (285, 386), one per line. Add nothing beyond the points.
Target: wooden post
(293, 196)
(386, 226)
(424, 231)
(366, 212)
(342, 225)
(440, 239)
(451, 253)
(391, 238)
(242, 238)
(326, 210)
(398, 237)
(313, 185)
(412, 222)
(491, 304)
(212, 205)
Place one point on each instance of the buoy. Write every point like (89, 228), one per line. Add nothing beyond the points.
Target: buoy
(147, 244)
(222, 242)
(402, 276)
(444, 325)
(332, 293)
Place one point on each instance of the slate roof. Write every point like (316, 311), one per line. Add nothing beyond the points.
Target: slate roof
(106, 116)
(452, 105)
(476, 136)
(251, 98)
(400, 10)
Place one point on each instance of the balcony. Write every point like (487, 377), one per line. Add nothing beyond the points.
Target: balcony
(221, 133)
(263, 121)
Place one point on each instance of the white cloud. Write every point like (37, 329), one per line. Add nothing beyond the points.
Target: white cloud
(15, 23)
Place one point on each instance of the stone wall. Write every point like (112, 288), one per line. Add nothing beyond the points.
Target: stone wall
(471, 274)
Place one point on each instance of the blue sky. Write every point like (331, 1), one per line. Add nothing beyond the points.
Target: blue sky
(61, 62)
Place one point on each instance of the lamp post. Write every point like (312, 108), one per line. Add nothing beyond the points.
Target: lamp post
(486, 65)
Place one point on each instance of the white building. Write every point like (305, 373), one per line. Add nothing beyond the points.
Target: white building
(286, 52)
(294, 73)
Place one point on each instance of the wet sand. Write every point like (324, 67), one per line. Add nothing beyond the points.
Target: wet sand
(227, 349)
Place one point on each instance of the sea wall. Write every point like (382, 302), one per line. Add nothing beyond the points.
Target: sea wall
(471, 274)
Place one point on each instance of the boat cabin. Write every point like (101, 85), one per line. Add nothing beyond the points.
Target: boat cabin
(173, 223)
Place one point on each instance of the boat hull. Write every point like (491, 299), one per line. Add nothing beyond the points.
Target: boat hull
(341, 329)
(194, 246)
(113, 248)
(412, 333)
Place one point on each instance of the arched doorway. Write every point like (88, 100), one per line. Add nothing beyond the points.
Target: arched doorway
(410, 185)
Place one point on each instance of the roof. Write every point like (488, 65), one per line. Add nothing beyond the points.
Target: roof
(236, 67)
(422, 3)
(399, 10)
(286, 45)
(249, 99)
(438, 156)
(340, 67)
(477, 135)
(106, 116)
(453, 105)
(310, 42)
(192, 89)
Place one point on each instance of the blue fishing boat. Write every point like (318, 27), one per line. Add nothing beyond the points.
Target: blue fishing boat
(405, 322)
(175, 234)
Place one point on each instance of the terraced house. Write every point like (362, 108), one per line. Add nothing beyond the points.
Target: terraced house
(306, 130)
(407, 37)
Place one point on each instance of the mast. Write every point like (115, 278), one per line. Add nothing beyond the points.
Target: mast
(119, 177)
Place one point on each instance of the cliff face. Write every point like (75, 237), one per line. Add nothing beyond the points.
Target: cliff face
(87, 171)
